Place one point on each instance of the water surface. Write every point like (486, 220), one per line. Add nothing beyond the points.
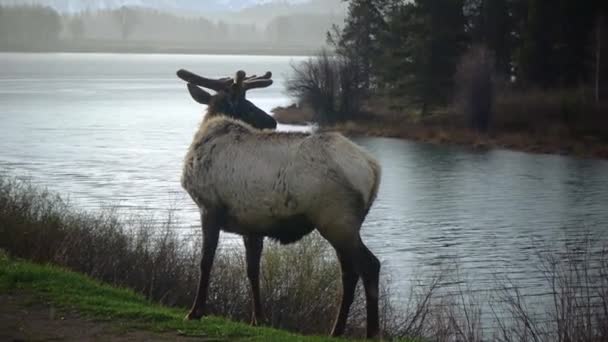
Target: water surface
(111, 130)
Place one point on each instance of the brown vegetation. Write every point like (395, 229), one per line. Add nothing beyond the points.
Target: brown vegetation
(559, 122)
(152, 259)
(298, 280)
(293, 115)
(329, 85)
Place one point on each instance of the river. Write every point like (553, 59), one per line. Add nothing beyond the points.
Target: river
(110, 130)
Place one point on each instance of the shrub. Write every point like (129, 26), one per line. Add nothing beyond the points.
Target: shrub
(475, 87)
(570, 112)
(329, 85)
(577, 279)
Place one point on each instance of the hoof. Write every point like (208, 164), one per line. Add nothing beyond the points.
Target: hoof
(374, 336)
(335, 334)
(255, 322)
(193, 316)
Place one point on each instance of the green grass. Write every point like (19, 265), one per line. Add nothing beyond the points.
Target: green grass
(69, 290)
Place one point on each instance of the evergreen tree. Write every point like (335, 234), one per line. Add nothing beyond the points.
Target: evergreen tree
(423, 44)
(571, 51)
(359, 39)
(491, 25)
(126, 18)
(76, 27)
(555, 38)
(16, 26)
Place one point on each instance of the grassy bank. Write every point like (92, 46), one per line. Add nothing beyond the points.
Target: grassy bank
(557, 122)
(152, 259)
(72, 291)
(300, 283)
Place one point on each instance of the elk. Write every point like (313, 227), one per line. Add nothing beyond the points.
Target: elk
(250, 180)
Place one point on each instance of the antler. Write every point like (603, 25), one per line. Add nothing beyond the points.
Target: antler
(258, 82)
(244, 83)
(209, 83)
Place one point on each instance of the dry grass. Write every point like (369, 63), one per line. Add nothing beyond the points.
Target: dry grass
(300, 283)
(559, 122)
(577, 279)
(293, 115)
(438, 134)
(562, 111)
(565, 121)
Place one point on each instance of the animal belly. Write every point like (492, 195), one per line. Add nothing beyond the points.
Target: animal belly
(290, 229)
(286, 230)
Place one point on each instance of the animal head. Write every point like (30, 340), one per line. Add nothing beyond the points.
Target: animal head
(229, 99)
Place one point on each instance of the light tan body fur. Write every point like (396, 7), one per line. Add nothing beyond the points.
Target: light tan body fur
(265, 178)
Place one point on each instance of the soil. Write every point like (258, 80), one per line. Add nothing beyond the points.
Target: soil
(23, 318)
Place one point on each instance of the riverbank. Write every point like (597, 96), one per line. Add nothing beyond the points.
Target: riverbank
(152, 259)
(47, 302)
(519, 141)
(445, 128)
(151, 47)
(140, 276)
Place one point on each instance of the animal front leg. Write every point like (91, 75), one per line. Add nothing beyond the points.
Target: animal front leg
(253, 248)
(211, 233)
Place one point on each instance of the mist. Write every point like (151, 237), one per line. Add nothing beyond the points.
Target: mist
(281, 27)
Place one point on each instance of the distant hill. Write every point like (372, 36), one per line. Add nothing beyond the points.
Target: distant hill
(258, 12)
(72, 6)
(268, 26)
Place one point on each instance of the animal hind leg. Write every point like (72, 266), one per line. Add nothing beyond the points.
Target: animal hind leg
(253, 249)
(211, 233)
(368, 266)
(349, 285)
(343, 235)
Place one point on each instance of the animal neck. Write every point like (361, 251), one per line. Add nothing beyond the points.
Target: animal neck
(215, 121)
(212, 114)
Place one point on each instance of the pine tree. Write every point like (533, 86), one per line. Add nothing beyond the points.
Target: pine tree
(555, 38)
(424, 43)
(493, 29)
(359, 39)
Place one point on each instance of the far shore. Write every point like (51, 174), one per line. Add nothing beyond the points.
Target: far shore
(142, 47)
(438, 133)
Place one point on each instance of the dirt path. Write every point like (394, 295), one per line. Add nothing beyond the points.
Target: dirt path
(24, 319)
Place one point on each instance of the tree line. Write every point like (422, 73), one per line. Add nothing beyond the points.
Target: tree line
(423, 51)
(38, 26)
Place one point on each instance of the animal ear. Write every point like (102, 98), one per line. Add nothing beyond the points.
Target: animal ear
(198, 94)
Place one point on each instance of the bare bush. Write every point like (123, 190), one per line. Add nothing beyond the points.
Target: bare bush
(329, 84)
(578, 283)
(475, 87)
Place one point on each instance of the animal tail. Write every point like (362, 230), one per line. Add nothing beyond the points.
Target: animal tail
(377, 175)
(362, 172)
